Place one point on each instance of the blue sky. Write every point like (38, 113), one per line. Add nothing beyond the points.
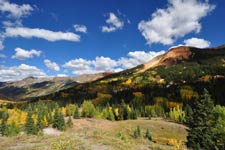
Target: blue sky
(73, 37)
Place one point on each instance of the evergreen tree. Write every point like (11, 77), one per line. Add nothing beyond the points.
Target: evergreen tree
(76, 114)
(200, 124)
(148, 135)
(4, 125)
(58, 121)
(30, 127)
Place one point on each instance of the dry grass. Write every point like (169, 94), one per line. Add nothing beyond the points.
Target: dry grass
(99, 134)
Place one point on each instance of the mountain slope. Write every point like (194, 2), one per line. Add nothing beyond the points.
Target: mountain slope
(35, 87)
(165, 76)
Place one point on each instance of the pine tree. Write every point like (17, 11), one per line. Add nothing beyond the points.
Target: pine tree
(148, 135)
(76, 114)
(30, 127)
(4, 125)
(200, 124)
(58, 121)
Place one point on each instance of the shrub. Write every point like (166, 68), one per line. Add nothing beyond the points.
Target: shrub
(148, 135)
(177, 114)
(88, 109)
(108, 114)
(137, 132)
(69, 122)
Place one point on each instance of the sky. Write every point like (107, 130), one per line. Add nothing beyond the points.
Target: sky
(47, 38)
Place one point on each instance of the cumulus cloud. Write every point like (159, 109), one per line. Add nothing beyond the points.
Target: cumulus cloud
(137, 57)
(62, 75)
(23, 54)
(180, 18)
(14, 10)
(196, 42)
(41, 33)
(103, 64)
(80, 28)
(19, 72)
(51, 65)
(114, 23)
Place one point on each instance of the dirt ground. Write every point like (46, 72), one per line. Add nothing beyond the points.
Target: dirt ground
(100, 134)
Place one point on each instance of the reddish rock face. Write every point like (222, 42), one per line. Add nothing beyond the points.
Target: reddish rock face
(173, 56)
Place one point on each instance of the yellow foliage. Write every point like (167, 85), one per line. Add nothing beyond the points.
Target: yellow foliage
(128, 108)
(116, 110)
(129, 81)
(177, 144)
(138, 94)
(44, 121)
(53, 112)
(23, 117)
(35, 116)
(63, 110)
(174, 104)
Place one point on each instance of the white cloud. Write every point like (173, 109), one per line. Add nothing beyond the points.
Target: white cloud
(41, 33)
(62, 75)
(51, 65)
(137, 57)
(196, 42)
(114, 23)
(23, 54)
(14, 10)
(19, 72)
(180, 18)
(80, 28)
(104, 64)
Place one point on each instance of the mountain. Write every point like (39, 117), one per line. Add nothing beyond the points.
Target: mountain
(35, 87)
(180, 69)
(167, 76)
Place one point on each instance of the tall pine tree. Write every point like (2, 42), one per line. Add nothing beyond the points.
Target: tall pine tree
(30, 127)
(200, 123)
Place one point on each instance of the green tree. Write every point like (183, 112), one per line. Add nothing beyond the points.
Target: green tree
(200, 124)
(4, 125)
(148, 135)
(58, 121)
(76, 114)
(30, 127)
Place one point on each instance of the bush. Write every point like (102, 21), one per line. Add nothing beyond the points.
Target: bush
(108, 114)
(148, 135)
(69, 122)
(154, 111)
(137, 132)
(88, 109)
(177, 114)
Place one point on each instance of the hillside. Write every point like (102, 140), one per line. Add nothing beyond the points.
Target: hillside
(36, 87)
(181, 68)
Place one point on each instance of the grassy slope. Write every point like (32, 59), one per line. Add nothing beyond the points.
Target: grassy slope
(88, 134)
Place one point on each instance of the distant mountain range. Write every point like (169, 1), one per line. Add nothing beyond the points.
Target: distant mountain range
(177, 68)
